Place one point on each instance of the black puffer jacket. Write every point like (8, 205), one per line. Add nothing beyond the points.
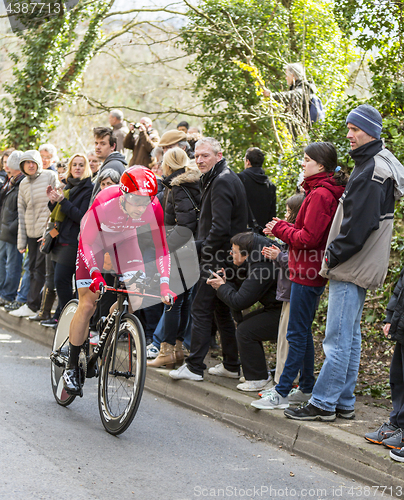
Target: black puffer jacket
(179, 212)
(258, 285)
(395, 311)
(223, 214)
(261, 195)
(74, 208)
(9, 211)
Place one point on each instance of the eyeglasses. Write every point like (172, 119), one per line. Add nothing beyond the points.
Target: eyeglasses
(136, 200)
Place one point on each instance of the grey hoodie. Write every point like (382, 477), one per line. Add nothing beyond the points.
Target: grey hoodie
(33, 209)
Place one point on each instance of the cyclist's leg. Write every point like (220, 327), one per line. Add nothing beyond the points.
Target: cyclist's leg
(78, 334)
(80, 323)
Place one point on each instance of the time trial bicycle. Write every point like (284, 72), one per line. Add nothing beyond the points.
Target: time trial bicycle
(118, 359)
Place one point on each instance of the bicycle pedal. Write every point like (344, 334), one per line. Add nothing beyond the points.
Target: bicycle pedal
(93, 371)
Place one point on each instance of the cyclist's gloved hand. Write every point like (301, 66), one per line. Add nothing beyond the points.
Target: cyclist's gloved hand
(165, 292)
(97, 279)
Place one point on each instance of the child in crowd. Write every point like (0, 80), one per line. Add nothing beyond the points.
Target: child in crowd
(281, 256)
(306, 239)
(391, 434)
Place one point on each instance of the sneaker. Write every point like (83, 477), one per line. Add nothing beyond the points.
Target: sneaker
(397, 455)
(396, 440)
(3, 302)
(12, 306)
(221, 371)
(267, 392)
(384, 431)
(23, 312)
(152, 351)
(184, 373)
(94, 340)
(310, 412)
(297, 396)
(256, 385)
(346, 414)
(273, 401)
(50, 323)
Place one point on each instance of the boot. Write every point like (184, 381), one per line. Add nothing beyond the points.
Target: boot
(179, 352)
(166, 357)
(44, 313)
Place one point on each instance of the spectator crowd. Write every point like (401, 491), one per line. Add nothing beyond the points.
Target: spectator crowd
(260, 277)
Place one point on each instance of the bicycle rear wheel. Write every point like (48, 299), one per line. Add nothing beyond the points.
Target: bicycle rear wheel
(122, 380)
(60, 353)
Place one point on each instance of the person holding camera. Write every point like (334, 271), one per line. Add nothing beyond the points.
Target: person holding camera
(143, 143)
(255, 282)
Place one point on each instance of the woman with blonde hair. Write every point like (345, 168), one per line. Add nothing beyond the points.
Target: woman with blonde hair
(181, 213)
(67, 208)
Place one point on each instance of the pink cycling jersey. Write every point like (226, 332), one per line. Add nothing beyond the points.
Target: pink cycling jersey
(106, 227)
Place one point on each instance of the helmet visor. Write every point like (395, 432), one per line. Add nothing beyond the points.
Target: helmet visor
(136, 200)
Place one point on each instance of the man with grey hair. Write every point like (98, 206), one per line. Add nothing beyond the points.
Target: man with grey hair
(143, 143)
(119, 128)
(223, 214)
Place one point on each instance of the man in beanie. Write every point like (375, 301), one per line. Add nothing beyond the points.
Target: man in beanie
(356, 259)
(10, 257)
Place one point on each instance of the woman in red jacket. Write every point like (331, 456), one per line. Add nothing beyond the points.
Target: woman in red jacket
(306, 239)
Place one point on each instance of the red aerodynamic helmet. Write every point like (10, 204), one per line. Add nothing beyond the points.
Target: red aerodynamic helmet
(140, 181)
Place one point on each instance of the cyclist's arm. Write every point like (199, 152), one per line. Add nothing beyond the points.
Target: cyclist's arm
(90, 238)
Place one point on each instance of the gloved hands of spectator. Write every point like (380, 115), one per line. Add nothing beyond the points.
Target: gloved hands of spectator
(217, 281)
(270, 225)
(165, 293)
(271, 252)
(97, 279)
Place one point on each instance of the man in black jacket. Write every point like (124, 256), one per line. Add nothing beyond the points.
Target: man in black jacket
(223, 214)
(10, 272)
(256, 283)
(261, 192)
(105, 150)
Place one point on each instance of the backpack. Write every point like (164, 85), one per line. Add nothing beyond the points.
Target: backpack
(316, 109)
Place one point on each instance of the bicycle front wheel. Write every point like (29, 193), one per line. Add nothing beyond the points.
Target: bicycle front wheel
(122, 377)
(60, 354)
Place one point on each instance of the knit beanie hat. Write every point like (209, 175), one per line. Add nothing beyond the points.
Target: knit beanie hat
(14, 160)
(367, 118)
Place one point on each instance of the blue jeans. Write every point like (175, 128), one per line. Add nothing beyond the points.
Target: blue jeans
(25, 282)
(303, 304)
(342, 347)
(173, 324)
(10, 274)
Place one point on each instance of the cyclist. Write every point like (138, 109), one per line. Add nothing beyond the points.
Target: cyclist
(111, 225)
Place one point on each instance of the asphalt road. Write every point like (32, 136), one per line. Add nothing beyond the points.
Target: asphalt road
(168, 453)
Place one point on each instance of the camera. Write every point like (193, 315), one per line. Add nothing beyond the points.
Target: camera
(212, 277)
(136, 125)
